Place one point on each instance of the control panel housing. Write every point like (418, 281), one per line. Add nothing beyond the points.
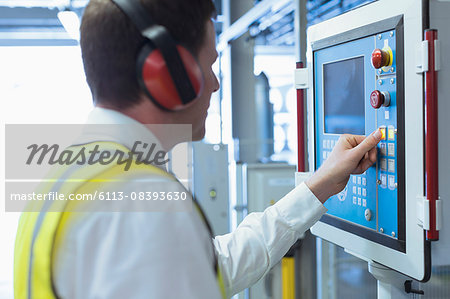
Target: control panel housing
(353, 96)
(364, 74)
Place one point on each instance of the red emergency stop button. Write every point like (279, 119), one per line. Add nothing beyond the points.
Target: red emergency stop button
(380, 58)
(379, 98)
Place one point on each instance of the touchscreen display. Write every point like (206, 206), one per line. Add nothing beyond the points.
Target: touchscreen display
(344, 96)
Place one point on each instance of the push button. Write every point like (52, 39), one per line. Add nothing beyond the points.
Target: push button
(383, 164)
(391, 182)
(383, 132)
(380, 98)
(391, 149)
(380, 58)
(383, 149)
(383, 180)
(391, 165)
(391, 133)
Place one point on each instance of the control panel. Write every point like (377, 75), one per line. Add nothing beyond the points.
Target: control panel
(382, 66)
(356, 92)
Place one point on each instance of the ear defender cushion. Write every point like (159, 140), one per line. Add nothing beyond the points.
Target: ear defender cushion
(156, 81)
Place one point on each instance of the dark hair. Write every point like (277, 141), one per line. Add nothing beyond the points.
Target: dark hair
(110, 43)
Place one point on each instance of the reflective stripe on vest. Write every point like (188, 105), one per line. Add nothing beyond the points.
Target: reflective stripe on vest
(37, 234)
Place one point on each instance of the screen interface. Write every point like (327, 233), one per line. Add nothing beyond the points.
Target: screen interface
(344, 96)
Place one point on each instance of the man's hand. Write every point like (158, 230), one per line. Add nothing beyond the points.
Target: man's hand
(353, 154)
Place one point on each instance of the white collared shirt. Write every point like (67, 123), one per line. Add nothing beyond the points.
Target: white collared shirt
(170, 255)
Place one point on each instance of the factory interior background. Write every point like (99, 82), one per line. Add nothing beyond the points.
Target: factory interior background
(41, 72)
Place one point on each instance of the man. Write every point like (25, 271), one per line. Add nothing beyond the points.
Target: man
(167, 254)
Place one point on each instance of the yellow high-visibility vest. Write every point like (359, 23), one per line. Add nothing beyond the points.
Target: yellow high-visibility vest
(37, 234)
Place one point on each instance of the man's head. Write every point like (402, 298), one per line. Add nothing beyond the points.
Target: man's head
(110, 43)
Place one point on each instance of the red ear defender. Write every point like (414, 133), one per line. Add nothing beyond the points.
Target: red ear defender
(158, 83)
(167, 72)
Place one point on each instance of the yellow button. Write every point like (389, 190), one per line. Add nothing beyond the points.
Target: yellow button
(383, 133)
(391, 134)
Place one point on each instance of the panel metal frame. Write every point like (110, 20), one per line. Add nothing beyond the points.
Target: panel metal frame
(415, 260)
(394, 23)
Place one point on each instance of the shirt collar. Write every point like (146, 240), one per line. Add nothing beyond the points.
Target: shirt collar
(110, 125)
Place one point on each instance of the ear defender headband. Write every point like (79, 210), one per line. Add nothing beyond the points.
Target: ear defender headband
(167, 72)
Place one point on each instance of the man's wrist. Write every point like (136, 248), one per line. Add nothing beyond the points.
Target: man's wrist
(318, 186)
